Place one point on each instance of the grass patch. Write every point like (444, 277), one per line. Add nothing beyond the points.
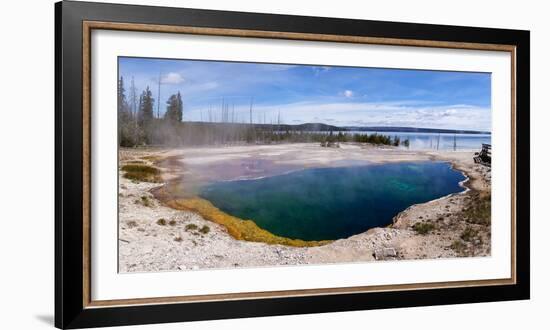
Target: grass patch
(140, 172)
(131, 224)
(205, 229)
(145, 201)
(479, 209)
(140, 168)
(191, 226)
(136, 162)
(172, 222)
(459, 247)
(423, 228)
(469, 234)
(152, 158)
(161, 222)
(240, 229)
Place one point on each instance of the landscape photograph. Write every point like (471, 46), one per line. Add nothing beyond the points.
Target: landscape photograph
(234, 164)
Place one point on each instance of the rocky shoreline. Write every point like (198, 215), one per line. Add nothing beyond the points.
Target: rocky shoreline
(155, 237)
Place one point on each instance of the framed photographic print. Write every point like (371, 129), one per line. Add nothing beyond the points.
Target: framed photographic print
(214, 164)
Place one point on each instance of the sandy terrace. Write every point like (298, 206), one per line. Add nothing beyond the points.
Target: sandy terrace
(177, 242)
(241, 162)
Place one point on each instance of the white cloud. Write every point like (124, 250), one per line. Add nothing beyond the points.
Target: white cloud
(276, 67)
(347, 93)
(318, 70)
(172, 78)
(385, 114)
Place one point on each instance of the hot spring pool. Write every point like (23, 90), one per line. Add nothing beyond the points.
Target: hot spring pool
(333, 203)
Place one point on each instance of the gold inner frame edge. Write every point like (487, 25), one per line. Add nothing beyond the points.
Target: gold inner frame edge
(88, 26)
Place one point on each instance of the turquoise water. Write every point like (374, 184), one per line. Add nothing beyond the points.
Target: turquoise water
(333, 203)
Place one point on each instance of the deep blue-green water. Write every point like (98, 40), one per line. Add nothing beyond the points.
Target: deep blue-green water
(333, 203)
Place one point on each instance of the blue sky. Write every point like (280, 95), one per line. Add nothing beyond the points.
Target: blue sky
(341, 96)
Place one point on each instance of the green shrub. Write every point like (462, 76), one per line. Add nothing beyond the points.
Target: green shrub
(469, 234)
(479, 210)
(205, 229)
(459, 247)
(161, 222)
(191, 226)
(131, 224)
(145, 201)
(423, 228)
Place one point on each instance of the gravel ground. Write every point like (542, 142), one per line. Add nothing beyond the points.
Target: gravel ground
(154, 237)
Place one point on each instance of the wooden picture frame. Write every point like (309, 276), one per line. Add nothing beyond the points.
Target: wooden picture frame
(74, 306)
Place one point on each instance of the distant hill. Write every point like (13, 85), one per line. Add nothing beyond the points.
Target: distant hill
(320, 127)
(315, 127)
(410, 130)
(308, 127)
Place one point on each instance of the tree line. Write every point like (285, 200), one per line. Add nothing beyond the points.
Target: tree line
(137, 122)
(138, 126)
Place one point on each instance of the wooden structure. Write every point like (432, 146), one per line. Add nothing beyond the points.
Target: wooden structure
(484, 156)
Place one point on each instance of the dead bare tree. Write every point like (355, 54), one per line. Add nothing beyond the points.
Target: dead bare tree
(158, 97)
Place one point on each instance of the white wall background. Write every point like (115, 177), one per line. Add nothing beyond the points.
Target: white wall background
(27, 163)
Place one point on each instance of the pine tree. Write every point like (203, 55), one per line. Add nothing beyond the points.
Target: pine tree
(145, 113)
(126, 131)
(180, 108)
(122, 104)
(174, 108)
(133, 101)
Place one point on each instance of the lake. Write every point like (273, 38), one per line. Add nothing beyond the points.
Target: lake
(440, 141)
(333, 203)
(433, 141)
